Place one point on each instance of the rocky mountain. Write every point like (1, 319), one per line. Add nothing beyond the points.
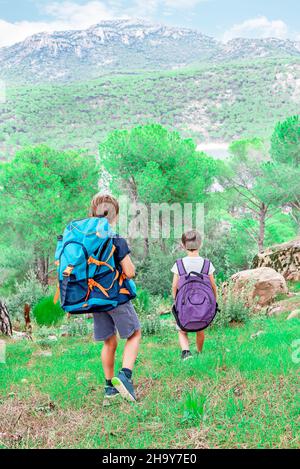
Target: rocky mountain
(125, 46)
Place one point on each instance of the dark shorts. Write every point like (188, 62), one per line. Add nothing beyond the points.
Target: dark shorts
(123, 319)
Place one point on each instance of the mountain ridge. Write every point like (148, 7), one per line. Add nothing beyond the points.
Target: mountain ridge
(126, 45)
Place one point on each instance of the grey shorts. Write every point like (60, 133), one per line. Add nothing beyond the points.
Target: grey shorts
(122, 319)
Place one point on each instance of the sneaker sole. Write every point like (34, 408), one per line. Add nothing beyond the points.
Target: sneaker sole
(187, 358)
(122, 389)
(109, 400)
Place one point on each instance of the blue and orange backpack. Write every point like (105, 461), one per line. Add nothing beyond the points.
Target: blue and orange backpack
(88, 278)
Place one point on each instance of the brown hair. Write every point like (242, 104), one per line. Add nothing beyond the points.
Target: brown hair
(191, 240)
(104, 205)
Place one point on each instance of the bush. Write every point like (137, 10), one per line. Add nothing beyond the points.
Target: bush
(46, 313)
(142, 302)
(233, 308)
(151, 325)
(155, 273)
(31, 291)
(78, 327)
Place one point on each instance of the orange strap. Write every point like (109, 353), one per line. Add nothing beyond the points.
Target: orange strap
(111, 252)
(92, 283)
(124, 291)
(115, 278)
(56, 296)
(122, 278)
(92, 260)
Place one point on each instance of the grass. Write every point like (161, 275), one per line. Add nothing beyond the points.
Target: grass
(240, 393)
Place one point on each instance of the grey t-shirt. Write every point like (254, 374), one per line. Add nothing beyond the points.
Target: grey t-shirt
(193, 264)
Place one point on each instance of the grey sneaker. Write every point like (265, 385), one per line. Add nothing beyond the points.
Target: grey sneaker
(110, 394)
(186, 354)
(124, 386)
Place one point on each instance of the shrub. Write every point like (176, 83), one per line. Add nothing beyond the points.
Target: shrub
(151, 325)
(233, 308)
(46, 313)
(30, 291)
(155, 274)
(142, 302)
(78, 327)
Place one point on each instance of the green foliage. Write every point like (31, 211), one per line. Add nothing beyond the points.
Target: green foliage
(29, 291)
(212, 102)
(78, 327)
(285, 142)
(282, 175)
(194, 407)
(46, 313)
(43, 189)
(142, 302)
(233, 308)
(280, 228)
(155, 273)
(156, 165)
(294, 286)
(151, 325)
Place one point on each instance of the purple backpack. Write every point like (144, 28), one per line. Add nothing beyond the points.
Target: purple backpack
(195, 303)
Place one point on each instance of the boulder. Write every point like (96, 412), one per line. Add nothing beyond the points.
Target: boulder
(291, 303)
(259, 286)
(284, 258)
(294, 314)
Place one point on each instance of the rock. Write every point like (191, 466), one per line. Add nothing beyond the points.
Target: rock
(284, 258)
(21, 335)
(291, 303)
(256, 334)
(52, 337)
(43, 353)
(260, 286)
(294, 314)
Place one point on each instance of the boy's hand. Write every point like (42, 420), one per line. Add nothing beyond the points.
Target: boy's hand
(128, 267)
(213, 284)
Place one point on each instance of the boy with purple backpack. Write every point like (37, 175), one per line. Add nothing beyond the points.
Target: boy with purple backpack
(194, 291)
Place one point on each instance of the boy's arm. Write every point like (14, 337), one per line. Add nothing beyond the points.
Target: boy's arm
(128, 266)
(213, 284)
(175, 285)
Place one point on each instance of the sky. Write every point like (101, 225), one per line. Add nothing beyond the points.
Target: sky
(222, 19)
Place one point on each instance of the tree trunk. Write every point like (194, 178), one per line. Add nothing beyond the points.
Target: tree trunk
(41, 269)
(262, 227)
(5, 324)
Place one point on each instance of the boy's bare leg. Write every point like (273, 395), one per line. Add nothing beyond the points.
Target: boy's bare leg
(200, 340)
(131, 350)
(183, 340)
(108, 356)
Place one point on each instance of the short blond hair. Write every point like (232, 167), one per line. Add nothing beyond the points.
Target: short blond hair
(191, 240)
(104, 205)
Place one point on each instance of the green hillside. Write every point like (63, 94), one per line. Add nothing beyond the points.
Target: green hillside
(215, 103)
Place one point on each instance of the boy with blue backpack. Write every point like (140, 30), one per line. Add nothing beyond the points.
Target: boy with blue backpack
(194, 291)
(95, 272)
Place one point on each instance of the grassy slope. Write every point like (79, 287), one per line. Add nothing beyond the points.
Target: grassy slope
(217, 102)
(249, 388)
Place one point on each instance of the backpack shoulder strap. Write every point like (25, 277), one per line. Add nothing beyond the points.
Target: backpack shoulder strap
(180, 267)
(205, 267)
